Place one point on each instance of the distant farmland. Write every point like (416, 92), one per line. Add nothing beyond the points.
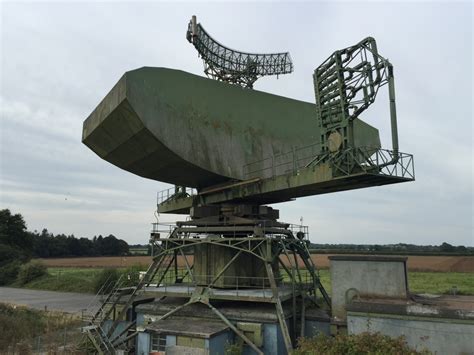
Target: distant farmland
(415, 262)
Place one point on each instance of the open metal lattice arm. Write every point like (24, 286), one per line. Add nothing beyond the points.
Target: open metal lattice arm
(346, 84)
(225, 64)
(350, 78)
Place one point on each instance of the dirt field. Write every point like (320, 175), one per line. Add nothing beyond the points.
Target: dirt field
(415, 263)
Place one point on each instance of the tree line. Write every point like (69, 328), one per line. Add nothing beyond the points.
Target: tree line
(16, 240)
(399, 248)
(48, 245)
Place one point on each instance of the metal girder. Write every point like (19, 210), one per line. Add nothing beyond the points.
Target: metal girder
(279, 309)
(234, 328)
(151, 270)
(305, 181)
(265, 248)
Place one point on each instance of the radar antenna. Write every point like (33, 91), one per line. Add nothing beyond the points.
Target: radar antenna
(345, 85)
(234, 67)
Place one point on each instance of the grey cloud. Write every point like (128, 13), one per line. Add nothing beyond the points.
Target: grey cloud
(60, 59)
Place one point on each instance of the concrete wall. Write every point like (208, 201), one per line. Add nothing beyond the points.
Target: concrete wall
(184, 350)
(314, 327)
(272, 336)
(273, 342)
(143, 343)
(219, 343)
(119, 329)
(170, 340)
(353, 276)
(441, 336)
(140, 319)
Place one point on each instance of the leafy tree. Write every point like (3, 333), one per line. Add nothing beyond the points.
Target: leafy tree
(31, 271)
(446, 247)
(113, 246)
(13, 231)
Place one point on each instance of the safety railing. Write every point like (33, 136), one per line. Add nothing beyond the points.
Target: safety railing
(162, 228)
(267, 227)
(281, 164)
(184, 283)
(367, 159)
(402, 164)
(174, 193)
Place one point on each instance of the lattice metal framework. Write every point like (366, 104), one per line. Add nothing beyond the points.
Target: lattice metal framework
(346, 84)
(234, 67)
(269, 242)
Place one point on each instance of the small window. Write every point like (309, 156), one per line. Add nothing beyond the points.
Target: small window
(158, 342)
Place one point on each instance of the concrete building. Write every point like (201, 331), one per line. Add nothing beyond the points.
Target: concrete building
(370, 294)
(195, 329)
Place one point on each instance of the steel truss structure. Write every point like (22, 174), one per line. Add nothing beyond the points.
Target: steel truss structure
(270, 242)
(231, 66)
(345, 85)
(289, 276)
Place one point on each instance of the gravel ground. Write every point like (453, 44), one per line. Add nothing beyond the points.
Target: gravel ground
(58, 301)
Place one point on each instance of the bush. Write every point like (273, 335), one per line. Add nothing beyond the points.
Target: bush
(364, 343)
(131, 275)
(9, 254)
(9, 272)
(21, 325)
(105, 280)
(31, 271)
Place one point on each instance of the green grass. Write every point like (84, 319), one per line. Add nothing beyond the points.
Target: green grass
(66, 280)
(441, 282)
(138, 251)
(426, 282)
(82, 280)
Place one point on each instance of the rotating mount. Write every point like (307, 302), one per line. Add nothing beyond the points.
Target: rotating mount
(231, 66)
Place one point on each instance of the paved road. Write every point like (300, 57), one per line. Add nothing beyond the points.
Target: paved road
(60, 301)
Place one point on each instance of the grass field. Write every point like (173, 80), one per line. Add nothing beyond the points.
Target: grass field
(138, 251)
(82, 280)
(415, 262)
(66, 279)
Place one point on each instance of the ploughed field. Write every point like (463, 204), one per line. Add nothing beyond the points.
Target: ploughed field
(415, 262)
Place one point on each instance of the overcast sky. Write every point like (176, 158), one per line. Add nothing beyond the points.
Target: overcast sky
(59, 60)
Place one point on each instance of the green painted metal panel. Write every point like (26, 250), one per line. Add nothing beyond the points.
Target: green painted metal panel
(181, 128)
(173, 126)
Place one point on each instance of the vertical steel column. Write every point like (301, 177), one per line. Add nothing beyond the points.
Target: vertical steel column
(279, 309)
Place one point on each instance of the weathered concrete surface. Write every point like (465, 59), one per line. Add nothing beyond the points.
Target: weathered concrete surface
(181, 128)
(235, 311)
(197, 328)
(443, 324)
(184, 129)
(372, 276)
(258, 314)
(61, 301)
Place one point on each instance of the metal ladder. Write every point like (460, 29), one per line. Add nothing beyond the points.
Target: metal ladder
(105, 341)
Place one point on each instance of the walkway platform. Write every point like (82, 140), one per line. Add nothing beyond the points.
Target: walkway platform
(245, 294)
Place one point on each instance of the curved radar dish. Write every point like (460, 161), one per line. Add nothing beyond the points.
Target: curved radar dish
(231, 66)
